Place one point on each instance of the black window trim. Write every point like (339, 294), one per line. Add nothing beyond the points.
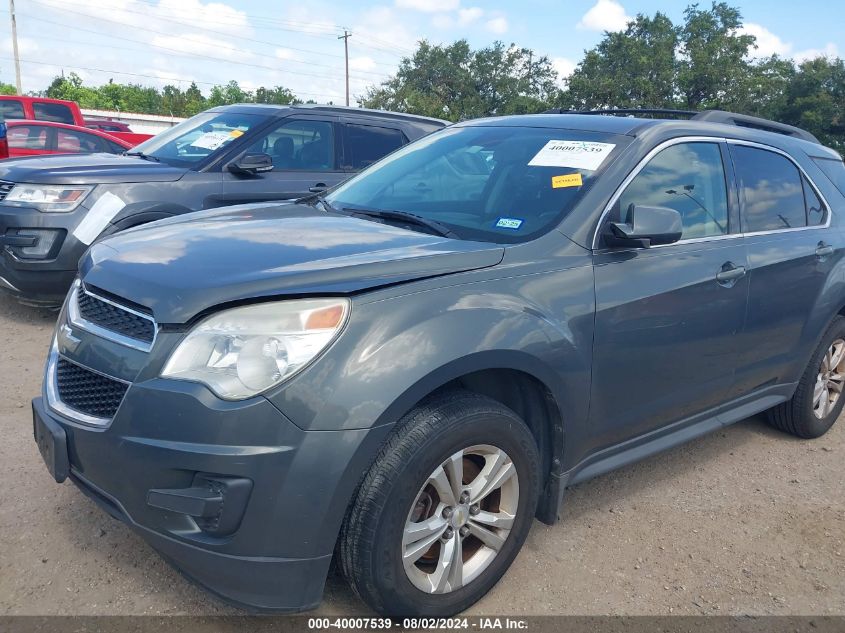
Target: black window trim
(596, 241)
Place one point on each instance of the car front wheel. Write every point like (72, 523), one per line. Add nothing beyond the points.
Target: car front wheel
(444, 509)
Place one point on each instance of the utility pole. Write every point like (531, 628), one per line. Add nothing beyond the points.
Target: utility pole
(345, 37)
(15, 47)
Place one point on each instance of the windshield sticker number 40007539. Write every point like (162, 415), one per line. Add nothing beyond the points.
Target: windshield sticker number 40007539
(575, 154)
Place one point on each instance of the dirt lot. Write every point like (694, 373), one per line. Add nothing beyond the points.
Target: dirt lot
(745, 521)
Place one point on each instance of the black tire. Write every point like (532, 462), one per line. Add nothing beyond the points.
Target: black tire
(796, 416)
(370, 544)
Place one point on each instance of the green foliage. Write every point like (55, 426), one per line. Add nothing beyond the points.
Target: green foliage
(169, 101)
(454, 82)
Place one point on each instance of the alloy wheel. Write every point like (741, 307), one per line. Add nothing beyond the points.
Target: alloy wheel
(830, 380)
(460, 519)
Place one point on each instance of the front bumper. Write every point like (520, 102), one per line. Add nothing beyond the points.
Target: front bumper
(166, 434)
(44, 281)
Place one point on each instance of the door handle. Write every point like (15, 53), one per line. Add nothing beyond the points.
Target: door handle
(730, 273)
(320, 186)
(823, 250)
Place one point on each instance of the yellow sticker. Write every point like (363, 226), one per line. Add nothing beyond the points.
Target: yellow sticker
(236, 133)
(567, 180)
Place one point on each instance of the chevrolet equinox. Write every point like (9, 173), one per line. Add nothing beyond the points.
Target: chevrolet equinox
(402, 373)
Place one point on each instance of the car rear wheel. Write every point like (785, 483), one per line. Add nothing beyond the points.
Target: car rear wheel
(818, 399)
(444, 509)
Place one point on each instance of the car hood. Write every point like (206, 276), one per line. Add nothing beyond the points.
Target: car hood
(183, 266)
(85, 169)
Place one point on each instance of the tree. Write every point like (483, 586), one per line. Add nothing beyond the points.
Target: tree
(713, 55)
(815, 100)
(277, 95)
(454, 82)
(228, 94)
(631, 68)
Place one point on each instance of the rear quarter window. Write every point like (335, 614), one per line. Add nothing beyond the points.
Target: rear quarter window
(834, 170)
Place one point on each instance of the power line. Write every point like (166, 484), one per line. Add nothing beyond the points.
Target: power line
(181, 52)
(217, 32)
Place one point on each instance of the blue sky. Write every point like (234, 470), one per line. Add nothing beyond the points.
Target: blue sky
(294, 44)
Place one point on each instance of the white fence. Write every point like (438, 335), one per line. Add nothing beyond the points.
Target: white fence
(140, 123)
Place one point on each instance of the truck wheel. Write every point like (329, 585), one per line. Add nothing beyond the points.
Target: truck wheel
(818, 400)
(444, 509)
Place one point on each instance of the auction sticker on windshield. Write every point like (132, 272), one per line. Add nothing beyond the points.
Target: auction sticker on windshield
(574, 154)
(212, 140)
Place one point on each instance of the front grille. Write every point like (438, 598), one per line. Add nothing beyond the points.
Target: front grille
(5, 188)
(112, 317)
(87, 391)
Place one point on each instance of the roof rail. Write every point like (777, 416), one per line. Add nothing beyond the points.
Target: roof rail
(624, 111)
(756, 123)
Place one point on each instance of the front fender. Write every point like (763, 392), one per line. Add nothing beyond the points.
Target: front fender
(396, 351)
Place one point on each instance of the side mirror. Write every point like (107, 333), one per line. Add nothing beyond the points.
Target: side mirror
(647, 226)
(253, 163)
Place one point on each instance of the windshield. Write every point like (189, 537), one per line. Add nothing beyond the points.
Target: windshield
(194, 140)
(498, 184)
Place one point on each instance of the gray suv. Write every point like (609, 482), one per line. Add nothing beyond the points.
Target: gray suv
(403, 373)
(53, 207)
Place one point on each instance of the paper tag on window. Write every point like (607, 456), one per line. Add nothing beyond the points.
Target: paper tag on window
(567, 180)
(212, 140)
(574, 154)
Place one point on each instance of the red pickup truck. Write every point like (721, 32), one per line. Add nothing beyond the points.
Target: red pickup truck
(56, 111)
(41, 109)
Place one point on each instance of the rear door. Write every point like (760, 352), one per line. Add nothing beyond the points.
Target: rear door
(667, 317)
(791, 251)
(30, 140)
(306, 159)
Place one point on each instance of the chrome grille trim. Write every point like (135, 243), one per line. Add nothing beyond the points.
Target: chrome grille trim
(76, 318)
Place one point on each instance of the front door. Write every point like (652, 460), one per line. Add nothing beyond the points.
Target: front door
(305, 160)
(668, 317)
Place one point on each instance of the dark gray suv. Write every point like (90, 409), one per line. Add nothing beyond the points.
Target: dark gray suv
(52, 208)
(404, 373)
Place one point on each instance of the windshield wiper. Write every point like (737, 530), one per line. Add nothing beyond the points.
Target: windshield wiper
(142, 155)
(404, 216)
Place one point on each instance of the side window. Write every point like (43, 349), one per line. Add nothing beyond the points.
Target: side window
(11, 109)
(57, 112)
(28, 137)
(833, 169)
(74, 142)
(770, 190)
(368, 143)
(816, 213)
(299, 145)
(689, 178)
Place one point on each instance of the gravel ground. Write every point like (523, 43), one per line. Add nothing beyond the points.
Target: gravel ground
(744, 521)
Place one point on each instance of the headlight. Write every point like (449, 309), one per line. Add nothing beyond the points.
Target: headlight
(47, 198)
(241, 352)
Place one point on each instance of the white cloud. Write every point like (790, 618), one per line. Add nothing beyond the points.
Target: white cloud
(470, 15)
(564, 67)
(767, 42)
(830, 50)
(497, 25)
(198, 44)
(429, 6)
(605, 15)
